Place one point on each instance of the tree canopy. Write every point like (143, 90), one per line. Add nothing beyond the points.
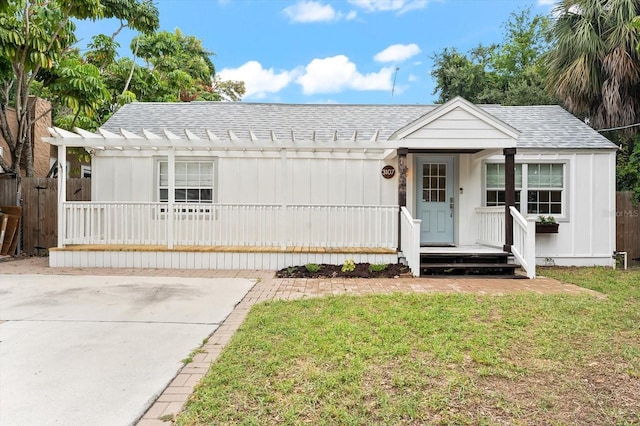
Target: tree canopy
(594, 67)
(38, 57)
(511, 73)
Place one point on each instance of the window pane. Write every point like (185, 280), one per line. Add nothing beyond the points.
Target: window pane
(545, 175)
(496, 175)
(556, 176)
(181, 179)
(206, 195)
(193, 195)
(181, 195)
(491, 198)
(193, 181)
(544, 196)
(181, 167)
(533, 177)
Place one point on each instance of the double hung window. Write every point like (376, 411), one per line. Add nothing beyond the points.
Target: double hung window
(193, 181)
(495, 184)
(540, 187)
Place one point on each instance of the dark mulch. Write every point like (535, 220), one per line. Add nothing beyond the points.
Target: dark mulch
(335, 271)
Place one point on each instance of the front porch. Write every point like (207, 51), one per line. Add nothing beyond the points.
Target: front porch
(196, 236)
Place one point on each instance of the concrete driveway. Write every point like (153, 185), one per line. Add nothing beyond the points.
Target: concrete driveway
(98, 350)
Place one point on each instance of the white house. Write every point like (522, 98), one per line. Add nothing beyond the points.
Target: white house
(243, 185)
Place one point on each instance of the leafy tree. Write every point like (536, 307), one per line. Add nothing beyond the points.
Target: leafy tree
(594, 67)
(458, 75)
(183, 67)
(511, 73)
(33, 36)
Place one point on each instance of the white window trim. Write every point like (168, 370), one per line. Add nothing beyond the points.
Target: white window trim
(564, 217)
(84, 169)
(214, 187)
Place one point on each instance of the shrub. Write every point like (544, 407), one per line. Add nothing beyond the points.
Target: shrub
(312, 267)
(348, 265)
(378, 267)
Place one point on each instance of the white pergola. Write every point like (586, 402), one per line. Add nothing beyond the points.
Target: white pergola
(170, 143)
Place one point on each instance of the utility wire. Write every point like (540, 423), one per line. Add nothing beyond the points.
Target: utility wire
(618, 128)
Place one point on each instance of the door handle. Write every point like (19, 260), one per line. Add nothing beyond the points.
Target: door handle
(451, 206)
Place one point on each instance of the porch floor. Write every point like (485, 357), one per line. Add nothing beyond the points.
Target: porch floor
(225, 249)
(470, 249)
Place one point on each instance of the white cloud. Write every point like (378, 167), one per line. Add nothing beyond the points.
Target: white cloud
(306, 11)
(397, 53)
(257, 80)
(399, 6)
(413, 78)
(337, 73)
(547, 2)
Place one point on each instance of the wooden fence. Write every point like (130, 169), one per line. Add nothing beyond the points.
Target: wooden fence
(8, 191)
(40, 208)
(627, 225)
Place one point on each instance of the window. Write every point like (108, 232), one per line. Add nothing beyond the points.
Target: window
(85, 171)
(193, 182)
(540, 184)
(495, 184)
(434, 182)
(545, 184)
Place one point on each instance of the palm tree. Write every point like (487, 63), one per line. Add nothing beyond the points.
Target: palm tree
(594, 66)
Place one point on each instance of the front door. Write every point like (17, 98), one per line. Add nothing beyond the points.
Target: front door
(435, 200)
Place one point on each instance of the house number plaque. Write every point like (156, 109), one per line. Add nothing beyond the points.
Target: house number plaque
(388, 172)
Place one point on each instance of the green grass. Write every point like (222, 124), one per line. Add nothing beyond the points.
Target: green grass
(434, 359)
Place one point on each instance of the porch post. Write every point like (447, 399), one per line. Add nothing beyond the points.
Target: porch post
(402, 189)
(510, 196)
(171, 196)
(62, 193)
(284, 193)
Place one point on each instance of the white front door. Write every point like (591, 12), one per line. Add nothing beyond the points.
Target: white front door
(435, 200)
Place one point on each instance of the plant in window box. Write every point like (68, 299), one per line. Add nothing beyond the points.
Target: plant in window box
(546, 225)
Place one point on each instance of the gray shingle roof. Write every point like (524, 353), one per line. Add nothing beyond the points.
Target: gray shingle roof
(540, 126)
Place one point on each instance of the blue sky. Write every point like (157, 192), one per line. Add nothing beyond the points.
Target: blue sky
(321, 51)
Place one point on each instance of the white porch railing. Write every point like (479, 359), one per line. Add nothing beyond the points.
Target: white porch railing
(410, 240)
(524, 242)
(490, 226)
(230, 224)
(491, 232)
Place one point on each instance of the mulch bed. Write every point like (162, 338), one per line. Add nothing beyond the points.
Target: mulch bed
(335, 271)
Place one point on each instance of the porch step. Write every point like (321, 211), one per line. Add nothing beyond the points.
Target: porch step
(476, 264)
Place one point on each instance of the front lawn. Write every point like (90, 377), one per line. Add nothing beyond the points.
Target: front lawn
(434, 359)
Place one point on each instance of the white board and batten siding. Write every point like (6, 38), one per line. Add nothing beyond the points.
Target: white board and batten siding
(586, 234)
(203, 260)
(304, 178)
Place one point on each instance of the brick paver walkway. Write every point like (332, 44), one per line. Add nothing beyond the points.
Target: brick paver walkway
(267, 287)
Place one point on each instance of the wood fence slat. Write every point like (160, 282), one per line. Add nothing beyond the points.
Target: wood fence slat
(627, 225)
(8, 191)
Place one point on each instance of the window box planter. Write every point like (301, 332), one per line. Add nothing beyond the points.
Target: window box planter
(547, 228)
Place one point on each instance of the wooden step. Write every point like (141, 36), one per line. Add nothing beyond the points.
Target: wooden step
(467, 265)
(476, 269)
